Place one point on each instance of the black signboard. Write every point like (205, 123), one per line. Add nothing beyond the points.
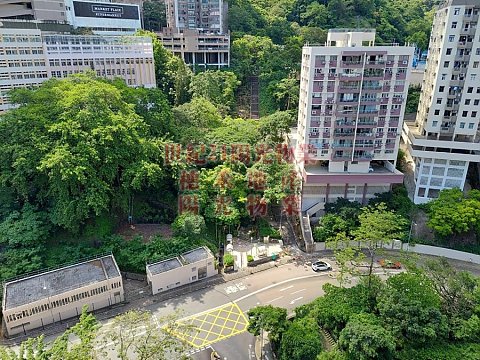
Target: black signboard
(105, 10)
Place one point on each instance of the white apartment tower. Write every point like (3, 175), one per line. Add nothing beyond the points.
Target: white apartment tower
(444, 139)
(205, 15)
(352, 101)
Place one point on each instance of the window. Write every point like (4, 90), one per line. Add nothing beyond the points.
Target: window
(474, 114)
(454, 25)
(434, 123)
(476, 102)
(444, 76)
(462, 125)
(194, 269)
(473, 77)
(475, 64)
(446, 64)
(477, 51)
(478, 90)
(451, 38)
(194, 278)
(456, 11)
(470, 125)
(464, 113)
(437, 112)
(470, 90)
(467, 101)
(449, 51)
(442, 89)
(439, 101)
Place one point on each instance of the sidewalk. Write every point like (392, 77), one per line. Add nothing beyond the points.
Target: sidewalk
(263, 348)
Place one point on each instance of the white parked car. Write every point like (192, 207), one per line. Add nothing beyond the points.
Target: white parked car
(321, 266)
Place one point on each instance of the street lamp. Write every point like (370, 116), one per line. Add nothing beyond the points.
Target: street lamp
(410, 232)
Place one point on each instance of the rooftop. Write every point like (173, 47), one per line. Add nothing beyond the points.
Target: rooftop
(164, 266)
(195, 255)
(51, 283)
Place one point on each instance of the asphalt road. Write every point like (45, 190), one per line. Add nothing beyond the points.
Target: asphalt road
(287, 286)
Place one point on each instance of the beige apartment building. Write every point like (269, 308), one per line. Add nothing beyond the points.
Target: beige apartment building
(29, 57)
(184, 269)
(38, 300)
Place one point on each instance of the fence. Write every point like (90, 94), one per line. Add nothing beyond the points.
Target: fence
(418, 249)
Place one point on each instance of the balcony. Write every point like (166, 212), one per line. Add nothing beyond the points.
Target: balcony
(332, 63)
(368, 111)
(390, 146)
(351, 64)
(343, 156)
(384, 101)
(391, 135)
(344, 123)
(387, 76)
(369, 101)
(365, 146)
(382, 112)
(342, 145)
(401, 76)
(343, 134)
(350, 77)
(316, 100)
(379, 135)
(326, 135)
(367, 123)
(386, 88)
(314, 135)
(372, 87)
(375, 63)
(397, 100)
(320, 64)
(350, 88)
(314, 123)
(318, 76)
(364, 157)
(332, 76)
(347, 101)
(399, 88)
(365, 134)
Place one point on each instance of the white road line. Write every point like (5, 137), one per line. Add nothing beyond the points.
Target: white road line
(295, 300)
(296, 292)
(275, 285)
(278, 298)
(288, 287)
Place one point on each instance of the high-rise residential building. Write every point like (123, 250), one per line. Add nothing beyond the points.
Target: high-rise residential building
(352, 101)
(444, 138)
(205, 15)
(28, 57)
(197, 32)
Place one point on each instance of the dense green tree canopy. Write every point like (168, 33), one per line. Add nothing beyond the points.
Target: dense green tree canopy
(74, 146)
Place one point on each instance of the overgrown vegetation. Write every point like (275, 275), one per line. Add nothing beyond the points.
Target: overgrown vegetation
(425, 313)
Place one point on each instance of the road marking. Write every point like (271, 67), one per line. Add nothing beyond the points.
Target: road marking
(294, 300)
(296, 292)
(275, 285)
(288, 287)
(278, 298)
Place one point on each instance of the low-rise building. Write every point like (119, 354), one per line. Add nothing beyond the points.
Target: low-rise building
(184, 269)
(45, 298)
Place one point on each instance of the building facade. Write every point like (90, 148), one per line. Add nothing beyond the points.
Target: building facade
(42, 299)
(22, 61)
(205, 15)
(184, 269)
(444, 138)
(100, 16)
(351, 107)
(197, 32)
(198, 49)
(28, 57)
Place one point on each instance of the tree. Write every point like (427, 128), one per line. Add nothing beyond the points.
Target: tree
(301, 340)
(154, 17)
(138, 334)
(218, 87)
(189, 226)
(453, 213)
(365, 338)
(236, 131)
(194, 120)
(274, 127)
(270, 319)
(378, 227)
(286, 93)
(77, 149)
(413, 99)
(410, 308)
(315, 15)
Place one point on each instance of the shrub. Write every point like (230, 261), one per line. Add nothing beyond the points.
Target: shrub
(249, 258)
(228, 260)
